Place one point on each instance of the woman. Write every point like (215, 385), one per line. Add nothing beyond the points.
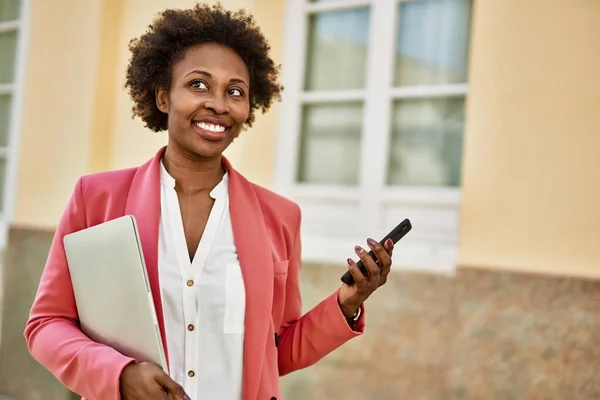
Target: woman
(223, 255)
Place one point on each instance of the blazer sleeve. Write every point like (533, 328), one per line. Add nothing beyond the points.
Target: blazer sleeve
(305, 339)
(52, 332)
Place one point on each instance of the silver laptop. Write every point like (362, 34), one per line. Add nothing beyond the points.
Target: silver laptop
(112, 291)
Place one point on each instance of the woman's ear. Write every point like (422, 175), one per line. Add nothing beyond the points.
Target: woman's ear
(162, 99)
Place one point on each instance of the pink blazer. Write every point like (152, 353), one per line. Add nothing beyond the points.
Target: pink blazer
(266, 230)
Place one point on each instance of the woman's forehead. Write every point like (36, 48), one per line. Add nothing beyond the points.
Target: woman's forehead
(216, 60)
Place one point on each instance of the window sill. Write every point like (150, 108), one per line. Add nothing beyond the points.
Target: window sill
(332, 226)
(410, 254)
(449, 196)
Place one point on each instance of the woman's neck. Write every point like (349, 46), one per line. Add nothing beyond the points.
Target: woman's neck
(192, 175)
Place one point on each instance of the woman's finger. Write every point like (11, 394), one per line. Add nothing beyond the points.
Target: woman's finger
(358, 276)
(369, 263)
(385, 261)
(389, 246)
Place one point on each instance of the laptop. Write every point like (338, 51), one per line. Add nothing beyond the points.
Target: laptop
(112, 291)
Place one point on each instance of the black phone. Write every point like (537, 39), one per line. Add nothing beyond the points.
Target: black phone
(396, 234)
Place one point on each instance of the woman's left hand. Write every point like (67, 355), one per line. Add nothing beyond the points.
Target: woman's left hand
(352, 296)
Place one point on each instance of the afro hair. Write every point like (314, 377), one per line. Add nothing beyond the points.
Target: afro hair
(173, 32)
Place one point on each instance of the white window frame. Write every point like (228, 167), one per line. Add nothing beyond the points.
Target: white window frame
(16, 90)
(434, 211)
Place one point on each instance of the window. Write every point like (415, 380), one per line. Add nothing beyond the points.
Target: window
(11, 76)
(372, 123)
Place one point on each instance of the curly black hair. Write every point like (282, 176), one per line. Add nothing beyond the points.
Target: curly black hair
(173, 32)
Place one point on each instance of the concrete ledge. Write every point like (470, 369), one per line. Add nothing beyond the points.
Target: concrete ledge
(478, 334)
(20, 375)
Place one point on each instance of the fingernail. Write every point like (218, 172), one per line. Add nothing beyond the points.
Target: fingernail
(350, 261)
(371, 242)
(389, 243)
(358, 249)
(186, 397)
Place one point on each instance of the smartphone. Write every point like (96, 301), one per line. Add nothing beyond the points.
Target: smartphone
(396, 234)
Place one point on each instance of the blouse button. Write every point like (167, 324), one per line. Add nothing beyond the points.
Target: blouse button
(190, 282)
(191, 374)
(190, 327)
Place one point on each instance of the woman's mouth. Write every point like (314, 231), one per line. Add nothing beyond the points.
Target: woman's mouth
(209, 131)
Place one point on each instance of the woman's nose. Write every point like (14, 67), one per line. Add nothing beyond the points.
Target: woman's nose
(217, 104)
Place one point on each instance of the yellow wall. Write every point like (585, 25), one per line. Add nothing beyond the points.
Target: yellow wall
(58, 107)
(532, 148)
(77, 116)
(531, 197)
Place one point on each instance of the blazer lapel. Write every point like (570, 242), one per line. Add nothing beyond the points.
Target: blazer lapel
(143, 202)
(256, 261)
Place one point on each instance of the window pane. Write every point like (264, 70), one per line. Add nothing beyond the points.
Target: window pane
(330, 146)
(432, 42)
(2, 182)
(426, 145)
(8, 45)
(4, 118)
(9, 10)
(337, 50)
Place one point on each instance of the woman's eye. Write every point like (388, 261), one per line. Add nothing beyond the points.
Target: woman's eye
(198, 85)
(235, 92)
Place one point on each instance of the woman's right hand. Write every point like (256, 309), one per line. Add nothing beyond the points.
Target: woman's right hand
(147, 381)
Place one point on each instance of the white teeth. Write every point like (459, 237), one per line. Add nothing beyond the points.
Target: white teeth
(210, 127)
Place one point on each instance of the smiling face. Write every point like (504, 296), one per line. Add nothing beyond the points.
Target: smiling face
(208, 102)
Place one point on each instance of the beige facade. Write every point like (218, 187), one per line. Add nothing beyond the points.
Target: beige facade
(528, 214)
(532, 152)
(531, 161)
(83, 122)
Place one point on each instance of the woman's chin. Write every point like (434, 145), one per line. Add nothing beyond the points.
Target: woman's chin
(209, 148)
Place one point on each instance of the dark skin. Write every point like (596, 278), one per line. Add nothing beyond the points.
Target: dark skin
(210, 85)
(207, 106)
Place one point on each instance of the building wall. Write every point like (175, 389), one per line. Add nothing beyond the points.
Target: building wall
(80, 113)
(62, 69)
(507, 325)
(532, 145)
(482, 334)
